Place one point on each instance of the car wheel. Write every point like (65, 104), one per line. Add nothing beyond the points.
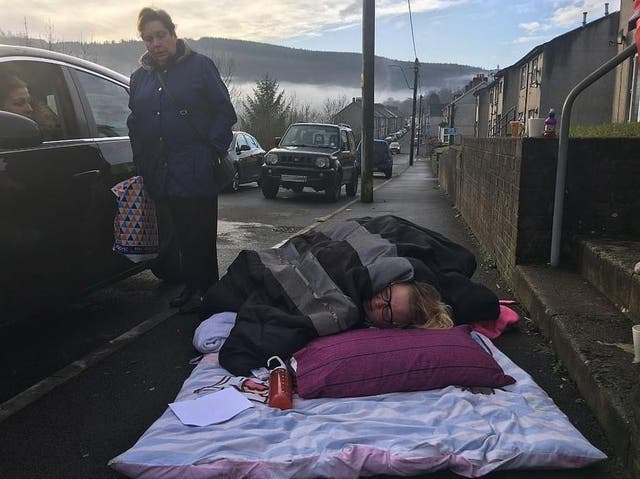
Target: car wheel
(269, 188)
(297, 188)
(388, 173)
(332, 192)
(352, 188)
(234, 186)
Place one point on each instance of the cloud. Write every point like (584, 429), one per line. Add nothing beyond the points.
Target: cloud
(537, 39)
(259, 21)
(569, 12)
(531, 26)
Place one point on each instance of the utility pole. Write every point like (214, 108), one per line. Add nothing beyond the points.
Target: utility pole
(368, 51)
(413, 112)
(420, 130)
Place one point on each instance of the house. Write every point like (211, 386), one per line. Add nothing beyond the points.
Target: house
(626, 92)
(460, 113)
(385, 120)
(543, 78)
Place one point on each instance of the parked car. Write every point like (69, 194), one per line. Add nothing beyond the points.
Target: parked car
(247, 156)
(56, 220)
(382, 157)
(317, 155)
(394, 146)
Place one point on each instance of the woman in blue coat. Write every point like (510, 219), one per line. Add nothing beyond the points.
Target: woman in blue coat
(181, 118)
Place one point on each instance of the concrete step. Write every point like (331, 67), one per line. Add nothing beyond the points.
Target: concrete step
(593, 339)
(609, 266)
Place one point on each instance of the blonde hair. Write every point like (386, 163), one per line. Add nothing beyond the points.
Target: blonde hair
(426, 308)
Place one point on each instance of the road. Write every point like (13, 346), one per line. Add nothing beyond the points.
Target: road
(80, 384)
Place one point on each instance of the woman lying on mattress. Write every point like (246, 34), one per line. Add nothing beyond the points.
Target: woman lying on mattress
(380, 271)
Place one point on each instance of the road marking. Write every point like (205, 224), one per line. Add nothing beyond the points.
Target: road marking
(41, 388)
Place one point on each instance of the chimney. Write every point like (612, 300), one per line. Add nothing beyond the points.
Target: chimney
(584, 18)
(606, 9)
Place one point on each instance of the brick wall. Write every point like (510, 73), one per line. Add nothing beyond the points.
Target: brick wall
(504, 189)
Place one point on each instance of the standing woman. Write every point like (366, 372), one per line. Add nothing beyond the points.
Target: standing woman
(181, 118)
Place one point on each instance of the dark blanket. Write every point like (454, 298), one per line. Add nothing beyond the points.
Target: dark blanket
(316, 283)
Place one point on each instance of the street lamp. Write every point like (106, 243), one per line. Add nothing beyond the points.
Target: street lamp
(416, 65)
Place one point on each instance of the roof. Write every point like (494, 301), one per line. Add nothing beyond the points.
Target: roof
(20, 52)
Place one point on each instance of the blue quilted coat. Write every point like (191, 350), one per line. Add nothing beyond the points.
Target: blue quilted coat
(174, 158)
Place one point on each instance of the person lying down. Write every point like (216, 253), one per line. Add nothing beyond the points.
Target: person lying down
(382, 271)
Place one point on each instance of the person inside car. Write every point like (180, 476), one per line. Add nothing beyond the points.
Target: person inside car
(14, 95)
(181, 119)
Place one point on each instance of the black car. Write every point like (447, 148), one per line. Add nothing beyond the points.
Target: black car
(382, 157)
(247, 156)
(317, 155)
(57, 208)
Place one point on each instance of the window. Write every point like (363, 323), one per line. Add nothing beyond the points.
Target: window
(523, 77)
(241, 141)
(253, 142)
(109, 104)
(344, 141)
(45, 97)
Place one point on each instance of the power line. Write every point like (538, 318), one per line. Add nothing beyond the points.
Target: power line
(413, 38)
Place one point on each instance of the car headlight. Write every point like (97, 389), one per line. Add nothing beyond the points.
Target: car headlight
(322, 162)
(271, 159)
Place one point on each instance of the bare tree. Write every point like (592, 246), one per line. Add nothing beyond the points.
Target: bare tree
(331, 106)
(301, 111)
(86, 49)
(225, 64)
(26, 33)
(49, 39)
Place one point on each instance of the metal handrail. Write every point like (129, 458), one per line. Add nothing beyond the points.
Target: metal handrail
(563, 146)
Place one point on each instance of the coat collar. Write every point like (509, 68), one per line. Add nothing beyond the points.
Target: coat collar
(183, 51)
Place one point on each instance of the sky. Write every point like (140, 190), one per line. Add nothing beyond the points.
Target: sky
(481, 33)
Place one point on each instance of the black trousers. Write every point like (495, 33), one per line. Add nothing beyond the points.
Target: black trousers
(195, 223)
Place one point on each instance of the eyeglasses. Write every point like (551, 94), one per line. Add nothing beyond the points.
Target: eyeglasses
(387, 311)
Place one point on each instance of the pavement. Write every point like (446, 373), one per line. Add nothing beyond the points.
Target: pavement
(550, 343)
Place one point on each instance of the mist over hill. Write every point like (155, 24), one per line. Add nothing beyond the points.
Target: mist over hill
(303, 72)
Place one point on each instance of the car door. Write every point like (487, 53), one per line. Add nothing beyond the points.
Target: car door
(347, 156)
(105, 103)
(243, 152)
(257, 157)
(45, 192)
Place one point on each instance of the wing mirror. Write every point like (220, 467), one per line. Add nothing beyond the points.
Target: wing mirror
(17, 131)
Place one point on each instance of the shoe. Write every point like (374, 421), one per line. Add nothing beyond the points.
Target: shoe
(183, 298)
(194, 305)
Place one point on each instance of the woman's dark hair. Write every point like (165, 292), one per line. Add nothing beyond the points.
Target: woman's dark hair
(8, 83)
(148, 14)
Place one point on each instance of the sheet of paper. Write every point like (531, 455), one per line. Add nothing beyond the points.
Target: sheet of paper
(213, 408)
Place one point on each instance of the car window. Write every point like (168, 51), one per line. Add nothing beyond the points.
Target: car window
(241, 140)
(109, 104)
(40, 92)
(344, 138)
(322, 136)
(253, 142)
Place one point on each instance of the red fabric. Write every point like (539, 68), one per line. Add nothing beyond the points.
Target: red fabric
(493, 329)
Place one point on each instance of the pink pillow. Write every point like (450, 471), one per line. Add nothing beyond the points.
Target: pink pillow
(365, 362)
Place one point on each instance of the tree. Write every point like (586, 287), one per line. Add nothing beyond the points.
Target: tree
(332, 106)
(265, 114)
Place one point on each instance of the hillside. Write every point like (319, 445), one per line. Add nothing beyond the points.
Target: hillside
(249, 61)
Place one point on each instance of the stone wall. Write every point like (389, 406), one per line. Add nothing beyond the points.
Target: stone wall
(504, 189)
